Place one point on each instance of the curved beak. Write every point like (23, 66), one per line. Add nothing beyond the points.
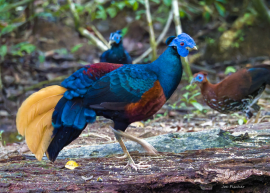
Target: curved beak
(193, 81)
(190, 49)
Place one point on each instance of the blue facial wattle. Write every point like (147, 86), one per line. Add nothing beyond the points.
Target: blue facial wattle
(199, 78)
(117, 37)
(183, 41)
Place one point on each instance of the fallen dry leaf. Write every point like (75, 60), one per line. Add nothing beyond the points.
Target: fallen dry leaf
(71, 165)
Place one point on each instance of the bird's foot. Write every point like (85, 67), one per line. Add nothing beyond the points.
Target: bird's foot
(137, 166)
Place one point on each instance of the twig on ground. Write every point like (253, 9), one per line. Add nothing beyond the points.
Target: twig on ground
(151, 31)
(84, 32)
(160, 38)
(100, 36)
(176, 17)
(178, 29)
(75, 15)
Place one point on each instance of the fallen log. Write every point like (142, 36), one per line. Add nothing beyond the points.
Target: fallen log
(240, 162)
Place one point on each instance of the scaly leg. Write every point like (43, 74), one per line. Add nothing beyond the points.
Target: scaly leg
(148, 147)
(257, 117)
(130, 163)
(251, 110)
(249, 121)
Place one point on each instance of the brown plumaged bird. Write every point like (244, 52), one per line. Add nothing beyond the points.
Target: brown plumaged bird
(237, 92)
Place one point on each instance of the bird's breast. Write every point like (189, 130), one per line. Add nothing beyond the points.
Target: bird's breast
(150, 102)
(226, 105)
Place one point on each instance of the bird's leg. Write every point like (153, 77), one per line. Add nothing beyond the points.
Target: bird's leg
(249, 114)
(251, 109)
(257, 117)
(249, 121)
(130, 163)
(148, 147)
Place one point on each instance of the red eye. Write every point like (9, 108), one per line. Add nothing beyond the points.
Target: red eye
(200, 77)
(182, 43)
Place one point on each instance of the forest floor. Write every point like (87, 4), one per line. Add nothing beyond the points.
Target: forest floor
(223, 170)
(231, 169)
(191, 171)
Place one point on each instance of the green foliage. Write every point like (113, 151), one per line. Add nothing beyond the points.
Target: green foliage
(220, 8)
(124, 31)
(9, 28)
(167, 2)
(210, 7)
(189, 98)
(76, 48)
(41, 57)
(241, 119)
(21, 48)
(101, 13)
(139, 14)
(210, 40)
(239, 38)
(62, 51)
(230, 69)
(19, 137)
(3, 52)
(111, 11)
(12, 15)
(100, 10)
(1, 138)
(221, 29)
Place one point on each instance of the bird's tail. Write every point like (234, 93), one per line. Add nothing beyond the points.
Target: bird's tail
(69, 119)
(50, 122)
(268, 76)
(34, 118)
(265, 74)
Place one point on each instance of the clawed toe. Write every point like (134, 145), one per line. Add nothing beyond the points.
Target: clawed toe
(137, 166)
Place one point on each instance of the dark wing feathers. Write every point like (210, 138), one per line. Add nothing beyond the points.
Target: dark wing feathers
(125, 84)
(260, 75)
(79, 82)
(117, 106)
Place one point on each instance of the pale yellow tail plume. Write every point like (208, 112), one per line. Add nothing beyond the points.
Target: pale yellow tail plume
(34, 118)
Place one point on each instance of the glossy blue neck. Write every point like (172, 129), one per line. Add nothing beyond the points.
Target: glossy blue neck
(118, 48)
(169, 69)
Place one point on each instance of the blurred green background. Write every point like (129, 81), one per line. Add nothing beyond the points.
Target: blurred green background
(42, 41)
